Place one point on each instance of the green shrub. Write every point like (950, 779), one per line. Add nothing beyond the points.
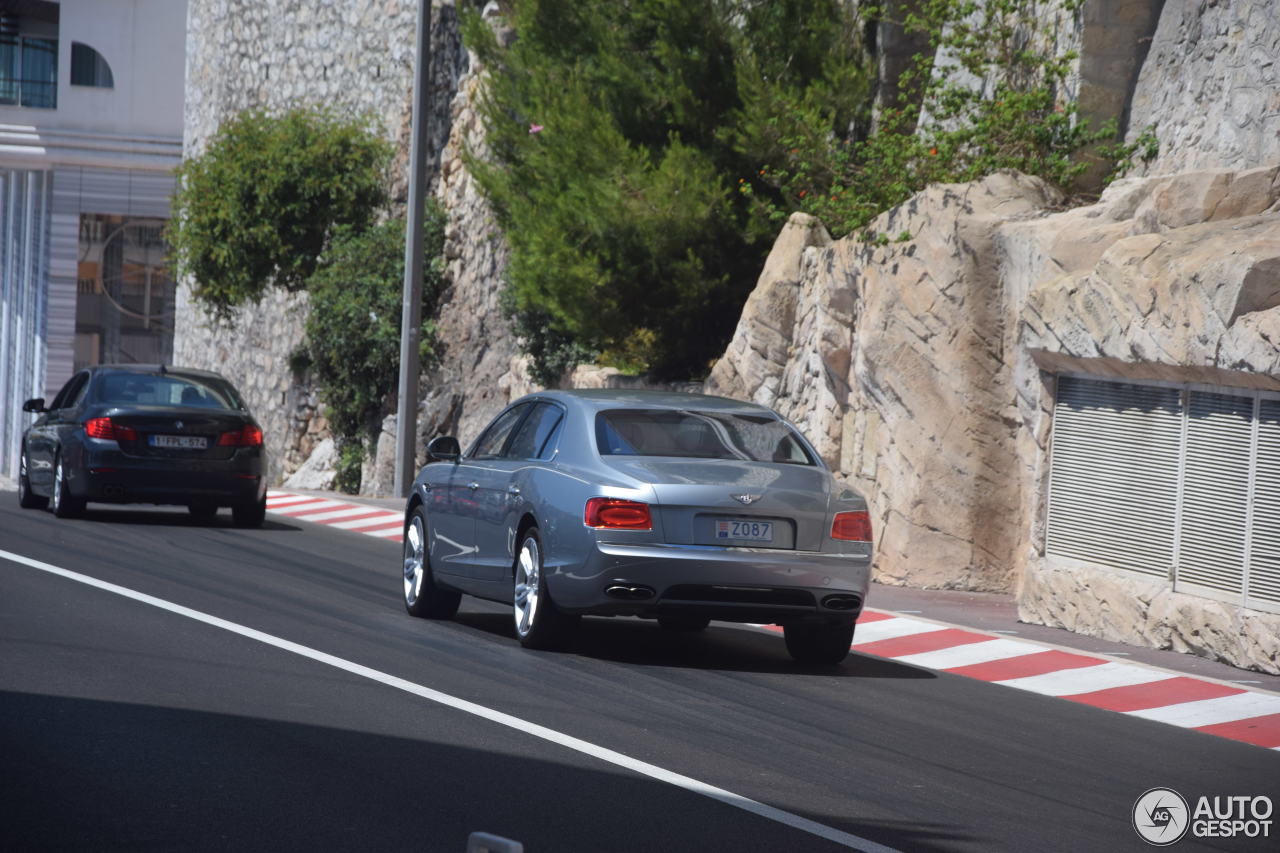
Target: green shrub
(259, 205)
(353, 328)
(291, 201)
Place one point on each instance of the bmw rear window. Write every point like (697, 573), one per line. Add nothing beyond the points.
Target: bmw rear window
(699, 435)
(168, 389)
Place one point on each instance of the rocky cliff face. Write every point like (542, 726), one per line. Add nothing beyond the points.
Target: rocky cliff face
(895, 362)
(1211, 85)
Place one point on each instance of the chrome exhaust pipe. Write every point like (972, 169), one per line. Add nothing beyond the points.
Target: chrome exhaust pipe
(842, 602)
(628, 592)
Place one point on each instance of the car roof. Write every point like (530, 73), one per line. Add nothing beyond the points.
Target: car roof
(597, 399)
(153, 369)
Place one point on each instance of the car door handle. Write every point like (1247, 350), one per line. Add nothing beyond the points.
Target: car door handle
(473, 486)
(513, 490)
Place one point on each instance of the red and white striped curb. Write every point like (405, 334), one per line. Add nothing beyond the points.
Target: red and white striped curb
(1252, 716)
(344, 515)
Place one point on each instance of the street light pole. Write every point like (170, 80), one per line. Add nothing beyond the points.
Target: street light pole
(411, 312)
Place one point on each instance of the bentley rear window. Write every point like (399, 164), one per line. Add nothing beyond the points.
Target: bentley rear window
(698, 435)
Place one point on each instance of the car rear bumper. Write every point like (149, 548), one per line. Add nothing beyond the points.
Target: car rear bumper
(110, 476)
(731, 584)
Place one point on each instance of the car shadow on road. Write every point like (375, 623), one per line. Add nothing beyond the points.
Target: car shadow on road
(172, 517)
(731, 648)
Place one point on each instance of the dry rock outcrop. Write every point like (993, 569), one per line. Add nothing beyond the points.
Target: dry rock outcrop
(919, 366)
(891, 358)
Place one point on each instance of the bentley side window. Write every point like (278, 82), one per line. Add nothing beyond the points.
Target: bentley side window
(495, 437)
(530, 441)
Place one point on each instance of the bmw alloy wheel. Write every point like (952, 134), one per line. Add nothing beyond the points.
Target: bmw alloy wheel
(63, 503)
(27, 499)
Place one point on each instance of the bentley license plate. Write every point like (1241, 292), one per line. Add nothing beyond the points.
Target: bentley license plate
(183, 442)
(744, 531)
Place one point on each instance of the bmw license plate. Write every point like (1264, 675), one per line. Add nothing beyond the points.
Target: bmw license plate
(182, 442)
(744, 531)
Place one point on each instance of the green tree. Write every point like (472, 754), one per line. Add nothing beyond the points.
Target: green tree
(258, 207)
(617, 130)
(995, 101)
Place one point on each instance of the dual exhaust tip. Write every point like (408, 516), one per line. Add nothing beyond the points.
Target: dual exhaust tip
(629, 592)
(842, 602)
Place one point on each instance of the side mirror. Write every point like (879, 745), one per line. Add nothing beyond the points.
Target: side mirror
(36, 405)
(443, 448)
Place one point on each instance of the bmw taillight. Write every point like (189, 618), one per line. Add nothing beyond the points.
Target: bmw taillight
(247, 436)
(617, 514)
(852, 526)
(106, 428)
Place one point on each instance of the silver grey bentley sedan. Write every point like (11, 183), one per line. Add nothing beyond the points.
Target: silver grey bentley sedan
(676, 507)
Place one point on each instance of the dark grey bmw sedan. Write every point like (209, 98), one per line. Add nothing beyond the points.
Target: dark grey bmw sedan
(677, 507)
(144, 434)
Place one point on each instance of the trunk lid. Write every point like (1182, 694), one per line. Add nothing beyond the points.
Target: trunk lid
(173, 433)
(729, 502)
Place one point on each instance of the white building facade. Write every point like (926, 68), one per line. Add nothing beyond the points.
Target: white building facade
(91, 112)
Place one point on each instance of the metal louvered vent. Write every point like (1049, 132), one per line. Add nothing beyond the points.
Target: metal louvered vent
(1149, 478)
(1114, 474)
(1215, 502)
(1264, 555)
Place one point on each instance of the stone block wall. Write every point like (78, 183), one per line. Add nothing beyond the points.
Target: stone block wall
(356, 56)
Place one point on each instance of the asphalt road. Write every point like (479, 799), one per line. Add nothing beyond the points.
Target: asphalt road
(126, 725)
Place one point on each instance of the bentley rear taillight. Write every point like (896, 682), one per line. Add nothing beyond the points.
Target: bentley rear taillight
(852, 526)
(617, 514)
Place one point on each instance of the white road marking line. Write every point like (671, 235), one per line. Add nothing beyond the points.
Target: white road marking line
(970, 653)
(295, 509)
(1207, 712)
(371, 521)
(286, 500)
(346, 511)
(1086, 679)
(542, 732)
(891, 629)
(393, 531)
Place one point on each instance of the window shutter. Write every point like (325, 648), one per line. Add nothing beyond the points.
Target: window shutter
(1113, 487)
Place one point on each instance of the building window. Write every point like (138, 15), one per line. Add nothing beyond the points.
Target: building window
(1175, 482)
(88, 68)
(28, 71)
(125, 296)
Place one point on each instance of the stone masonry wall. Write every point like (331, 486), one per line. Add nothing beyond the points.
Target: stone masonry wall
(355, 56)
